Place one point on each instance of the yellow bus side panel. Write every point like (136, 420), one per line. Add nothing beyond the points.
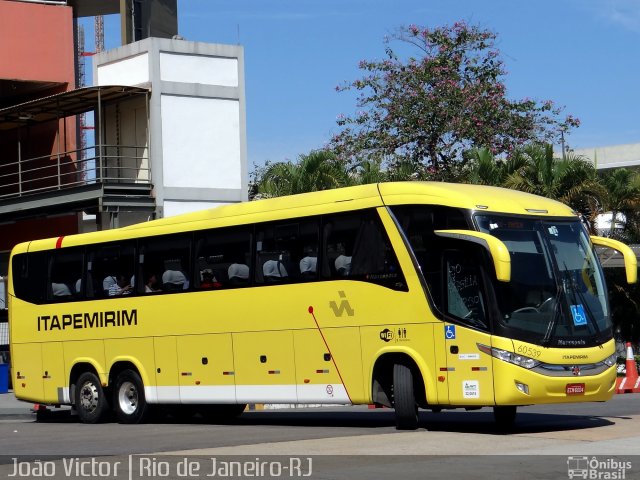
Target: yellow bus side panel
(27, 371)
(87, 351)
(167, 376)
(317, 377)
(469, 372)
(346, 353)
(54, 375)
(138, 351)
(440, 366)
(205, 368)
(264, 367)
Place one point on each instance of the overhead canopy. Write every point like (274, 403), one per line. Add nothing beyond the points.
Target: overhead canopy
(65, 104)
(91, 8)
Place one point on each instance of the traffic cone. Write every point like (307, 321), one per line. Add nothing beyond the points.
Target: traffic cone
(630, 383)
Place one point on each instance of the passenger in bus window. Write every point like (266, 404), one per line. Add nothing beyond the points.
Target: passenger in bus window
(121, 287)
(60, 290)
(151, 285)
(174, 280)
(274, 271)
(309, 266)
(238, 274)
(343, 265)
(209, 281)
(108, 282)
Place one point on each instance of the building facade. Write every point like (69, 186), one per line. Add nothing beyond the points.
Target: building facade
(167, 131)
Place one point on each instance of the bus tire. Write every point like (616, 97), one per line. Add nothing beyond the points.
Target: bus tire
(505, 416)
(90, 400)
(129, 402)
(404, 399)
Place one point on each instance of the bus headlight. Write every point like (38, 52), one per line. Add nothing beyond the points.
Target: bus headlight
(611, 360)
(509, 357)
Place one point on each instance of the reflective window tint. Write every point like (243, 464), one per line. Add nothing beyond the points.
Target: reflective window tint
(110, 270)
(66, 272)
(357, 247)
(223, 258)
(165, 260)
(465, 299)
(287, 252)
(418, 222)
(30, 276)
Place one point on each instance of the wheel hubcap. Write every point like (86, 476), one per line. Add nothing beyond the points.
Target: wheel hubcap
(89, 397)
(128, 398)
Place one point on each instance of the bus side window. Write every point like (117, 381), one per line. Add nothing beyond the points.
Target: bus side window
(418, 222)
(356, 246)
(464, 297)
(287, 252)
(105, 264)
(167, 257)
(30, 276)
(222, 258)
(65, 269)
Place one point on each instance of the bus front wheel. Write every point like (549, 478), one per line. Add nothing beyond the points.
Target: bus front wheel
(90, 401)
(404, 399)
(129, 401)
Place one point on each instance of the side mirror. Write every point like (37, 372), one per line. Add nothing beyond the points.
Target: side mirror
(630, 260)
(498, 250)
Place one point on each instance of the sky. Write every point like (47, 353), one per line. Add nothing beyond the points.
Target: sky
(582, 54)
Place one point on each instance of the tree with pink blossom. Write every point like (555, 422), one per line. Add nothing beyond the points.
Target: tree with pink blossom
(437, 93)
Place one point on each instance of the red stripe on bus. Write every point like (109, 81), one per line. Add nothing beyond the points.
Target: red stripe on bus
(333, 358)
(59, 242)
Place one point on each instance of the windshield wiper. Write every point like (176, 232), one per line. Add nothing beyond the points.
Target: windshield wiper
(551, 326)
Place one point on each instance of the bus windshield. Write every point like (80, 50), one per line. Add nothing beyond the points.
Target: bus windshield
(557, 295)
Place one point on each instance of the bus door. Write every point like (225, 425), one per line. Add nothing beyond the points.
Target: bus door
(468, 371)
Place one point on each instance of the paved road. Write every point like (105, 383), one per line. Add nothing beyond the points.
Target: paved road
(602, 429)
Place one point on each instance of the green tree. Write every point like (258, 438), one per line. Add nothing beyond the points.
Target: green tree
(572, 180)
(428, 108)
(317, 170)
(484, 168)
(622, 201)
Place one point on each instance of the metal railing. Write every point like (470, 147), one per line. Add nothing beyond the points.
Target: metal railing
(108, 164)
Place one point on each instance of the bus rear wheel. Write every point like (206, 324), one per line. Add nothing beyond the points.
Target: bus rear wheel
(404, 399)
(129, 402)
(90, 400)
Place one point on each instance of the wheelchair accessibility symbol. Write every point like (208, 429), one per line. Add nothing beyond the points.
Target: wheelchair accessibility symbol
(579, 316)
(449, 332)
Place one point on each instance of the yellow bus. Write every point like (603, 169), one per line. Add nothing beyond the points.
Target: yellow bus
(409, 295)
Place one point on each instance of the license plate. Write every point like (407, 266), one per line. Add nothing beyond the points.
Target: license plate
(575, 389)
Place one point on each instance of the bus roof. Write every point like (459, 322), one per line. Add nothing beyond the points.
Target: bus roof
(472, 197)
